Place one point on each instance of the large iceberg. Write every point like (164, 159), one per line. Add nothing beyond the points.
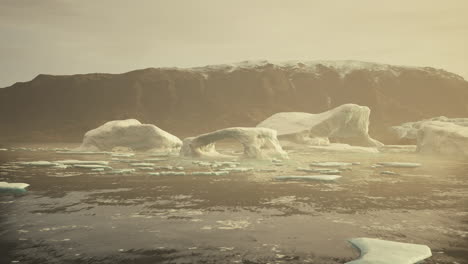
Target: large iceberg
(348, 123)
(131, 134)
(410, 130)
(257, 142)
(378, 251)
(443, 138)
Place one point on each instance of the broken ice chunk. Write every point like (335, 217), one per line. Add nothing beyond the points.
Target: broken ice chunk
(13, 187)
(388, 252)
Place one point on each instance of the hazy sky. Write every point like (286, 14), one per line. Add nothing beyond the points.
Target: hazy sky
(81, 36)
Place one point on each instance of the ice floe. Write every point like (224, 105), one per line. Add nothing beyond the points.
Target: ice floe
(376, 251)
(331, 164)
(309, 177)
(399, 164)
(13, 187)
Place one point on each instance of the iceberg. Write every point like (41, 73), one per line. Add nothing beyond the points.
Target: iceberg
(348, 123)
(410, 130)
(258, 143)
(376, 251)
(129, 134)
(442, 138)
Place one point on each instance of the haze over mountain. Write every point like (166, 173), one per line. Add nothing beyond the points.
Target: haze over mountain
(188, 101)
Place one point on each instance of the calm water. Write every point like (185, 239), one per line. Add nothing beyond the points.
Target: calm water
(72, 215)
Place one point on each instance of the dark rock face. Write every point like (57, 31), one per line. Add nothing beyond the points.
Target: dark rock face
(188, 102)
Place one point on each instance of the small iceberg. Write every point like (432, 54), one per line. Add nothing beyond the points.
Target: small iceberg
(388, 252)
(399, 164)
(309, 177)
(13, 187)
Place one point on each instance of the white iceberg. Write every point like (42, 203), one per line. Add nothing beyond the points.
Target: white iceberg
(410, 130)
(309, 177)
(260, 143)
(443, 138)
(130, 134)
(348, 123)
(13, 187)
(376, 251)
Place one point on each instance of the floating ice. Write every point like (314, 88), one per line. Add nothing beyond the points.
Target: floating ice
(335, 147)
(40, 163)
(82, 162)
(321, 171)
(124, 155)
(131, 134)
(155, 160)
(348, 123)
(13, 187)
(388, 173)
(376, 251)
(142, 164)
(444, 139)
(258, 143)
(399, 164)
(74, 152)
(398, 148)
(330, 164)
(309, 177)
(210, 173)
(237, 169)
(168, 173)
(122, 171)
(91, 166)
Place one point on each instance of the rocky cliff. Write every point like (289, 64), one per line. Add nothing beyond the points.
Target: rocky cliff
(195, 100)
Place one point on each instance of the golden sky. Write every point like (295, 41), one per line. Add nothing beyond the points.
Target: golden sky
(81, 36)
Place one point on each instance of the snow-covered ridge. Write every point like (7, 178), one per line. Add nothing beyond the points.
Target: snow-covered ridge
(343, 67)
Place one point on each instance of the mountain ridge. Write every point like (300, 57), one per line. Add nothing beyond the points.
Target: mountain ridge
(188, 101)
